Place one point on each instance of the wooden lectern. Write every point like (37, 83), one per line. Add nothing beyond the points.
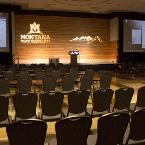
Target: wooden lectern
(73, 56)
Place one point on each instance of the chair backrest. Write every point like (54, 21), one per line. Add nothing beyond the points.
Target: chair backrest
(73, 130)
(8, 75)
(62, 69)
(68, 83)
(123, 98)
(36, 69)
(42, 66)
(48, 69)
(74, 72)
(102, 99)
(4, 86)
(56, 74)
(137, 126)
(25, 105)
(105, 80)
(49, 84)
(24, 85)
(23, 67)
(141, 97)
(77, 101)
(89, 73)
(27, 132)
(34, 65)
(13, 68)
(51, 103)
(40, 75)
(85, 83)
(24, 75)
(2, 67)
(111, 128)
(4, 102)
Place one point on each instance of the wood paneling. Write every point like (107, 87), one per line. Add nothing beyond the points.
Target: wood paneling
(61, 30)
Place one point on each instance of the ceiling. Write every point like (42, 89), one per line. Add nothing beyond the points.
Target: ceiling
(90, 6)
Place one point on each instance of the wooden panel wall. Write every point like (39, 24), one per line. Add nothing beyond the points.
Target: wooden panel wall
(61, 30)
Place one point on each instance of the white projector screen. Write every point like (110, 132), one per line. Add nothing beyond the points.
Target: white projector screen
(134, 35)
(4, 33)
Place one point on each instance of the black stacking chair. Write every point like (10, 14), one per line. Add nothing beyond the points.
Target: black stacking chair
(13, 69)
(25, 106)
(73, 130)
(77, 102)
(42, 66)
(24, 74)
(140, 98)
(36, 69)
(68, 84)
(101, 102)
(74, 72)
(111, 128)
(5, 119)
(85, 83)
(48, 70)
(5, 88)
(56, 74)
(62, 69)
(89, 73)
(51, 106)
(48, 84)
(27, 132)
(105, 80)
(8, 75)
(39, 75)
(137, 128)
(123, 98)
(24, 85)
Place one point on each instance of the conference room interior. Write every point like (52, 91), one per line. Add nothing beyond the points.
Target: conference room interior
(58, 43)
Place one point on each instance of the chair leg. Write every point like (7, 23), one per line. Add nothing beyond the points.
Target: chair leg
(126, 143)
(39, 101)
(62, 115)
(11, 106)
(67, 113)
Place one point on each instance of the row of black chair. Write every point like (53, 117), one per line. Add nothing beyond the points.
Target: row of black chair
(111, 130)
(51, 104)
(37, 73)
(84, 81)
(64, 85)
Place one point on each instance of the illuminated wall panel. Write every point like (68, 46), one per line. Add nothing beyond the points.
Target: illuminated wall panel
(91, 36)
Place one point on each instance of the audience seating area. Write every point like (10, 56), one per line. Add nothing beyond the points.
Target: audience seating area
(46, 93)
(112, 129)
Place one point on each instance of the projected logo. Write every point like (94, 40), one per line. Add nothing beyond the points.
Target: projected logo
(87, 39)
(35, 36)
(34, 28)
